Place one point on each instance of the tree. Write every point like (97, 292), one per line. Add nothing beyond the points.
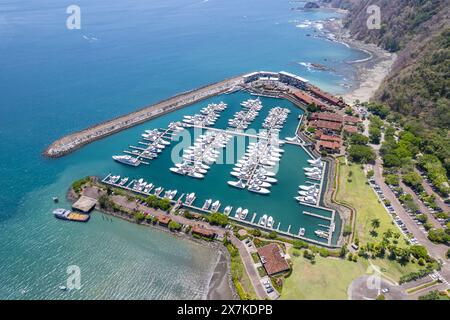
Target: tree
(217, 218)
(414, 180)
(105, 202)
(164, 204)
(174, 226)
(152, 201)
(392, 179)
(358, 138)
(375, 223)
(361, 154)
(300, 244)
(438, 236)
(273, 235)
(374, 135)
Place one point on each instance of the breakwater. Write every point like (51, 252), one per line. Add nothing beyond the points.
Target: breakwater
(74, 141)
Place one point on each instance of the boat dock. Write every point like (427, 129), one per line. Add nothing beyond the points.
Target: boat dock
(190, 205)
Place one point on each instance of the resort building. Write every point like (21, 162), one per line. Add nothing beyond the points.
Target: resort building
(203, 232)
(307, 99)
(273, 259)
(328, 127)
(164, 220)
(350, 129)
(351, 120)
(326, 96)
(328, 146)
(283, 77)
(327, 116)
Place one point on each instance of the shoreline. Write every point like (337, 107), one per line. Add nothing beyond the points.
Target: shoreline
(371, 71)
(220, 285)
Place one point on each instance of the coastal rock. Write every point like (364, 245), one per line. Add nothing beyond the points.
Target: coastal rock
(311, 5)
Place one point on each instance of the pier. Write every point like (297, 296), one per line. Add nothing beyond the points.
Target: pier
(72, 142)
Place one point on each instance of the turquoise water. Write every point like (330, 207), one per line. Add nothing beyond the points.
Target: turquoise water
(53, 81)
(280, 203)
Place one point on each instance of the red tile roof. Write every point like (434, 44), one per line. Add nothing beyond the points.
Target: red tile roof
(306, 98)
(327, 116)
(329, 145)
(274, 262)
(324, 95)
(351, 119)
(164, 219)
(326, 125)
(351, 129)
(203, 231)
(326, 137)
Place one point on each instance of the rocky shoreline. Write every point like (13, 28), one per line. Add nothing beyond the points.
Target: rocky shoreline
(371, 71)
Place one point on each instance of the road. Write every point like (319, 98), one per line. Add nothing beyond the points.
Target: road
(439, 201)
(423, 208)
(249, 267)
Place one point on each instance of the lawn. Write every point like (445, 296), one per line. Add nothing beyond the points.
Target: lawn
(328, 278)
(354, 191)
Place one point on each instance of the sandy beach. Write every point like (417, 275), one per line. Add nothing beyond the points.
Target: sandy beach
(371, 71)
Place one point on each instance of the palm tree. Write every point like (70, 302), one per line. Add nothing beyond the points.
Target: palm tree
(375, 223)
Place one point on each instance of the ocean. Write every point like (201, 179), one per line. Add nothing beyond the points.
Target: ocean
(126, 55)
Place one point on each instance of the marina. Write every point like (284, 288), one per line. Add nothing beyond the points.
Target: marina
(213, 162)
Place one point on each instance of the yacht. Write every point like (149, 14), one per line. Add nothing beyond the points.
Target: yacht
(321, 234)
(301, 232)
(215, 206)
(270, 222)
(227, 210)
(263, 220)
(244, 214)
(238, 212)
(207, 204)
(128, 160)
(237, 184)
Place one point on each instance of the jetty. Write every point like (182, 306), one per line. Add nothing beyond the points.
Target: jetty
(74, 141)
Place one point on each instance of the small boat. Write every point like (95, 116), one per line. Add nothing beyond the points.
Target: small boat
(263, 220)
(227, 210)
(244, 214)
(238, 212)
(270, 222)
(237, 184)
(301, 232)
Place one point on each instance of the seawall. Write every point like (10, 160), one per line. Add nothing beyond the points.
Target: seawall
(74, 141)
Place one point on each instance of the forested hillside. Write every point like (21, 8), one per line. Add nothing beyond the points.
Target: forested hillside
(419, 32)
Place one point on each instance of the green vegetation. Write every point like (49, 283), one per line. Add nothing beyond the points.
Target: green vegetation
(174, 226)
(375, 127)
(319, 280)
(435, 295)
(240, 278)
(76, 185)
(392, 179)
(361, 153)
(414, 180)
(435, 172)
(439, 235)
(360, 196)
(154, 202)
(217, 218)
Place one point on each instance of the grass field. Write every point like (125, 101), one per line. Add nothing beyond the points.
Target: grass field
(354, 191)
(328, 278)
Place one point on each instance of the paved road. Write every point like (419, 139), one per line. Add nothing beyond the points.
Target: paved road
(366, 288)
(249, 267)
(435, 250)
(423, 208)
(439, 201)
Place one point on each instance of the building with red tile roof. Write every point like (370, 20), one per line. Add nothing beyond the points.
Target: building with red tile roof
(307, 99)
(327, 116)
(326, 137)
(330, 146)
(164, 220)
(325, 96)
(351, 120)
(327, 125)
(272, 258)
(350, 129)
(202, 231)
